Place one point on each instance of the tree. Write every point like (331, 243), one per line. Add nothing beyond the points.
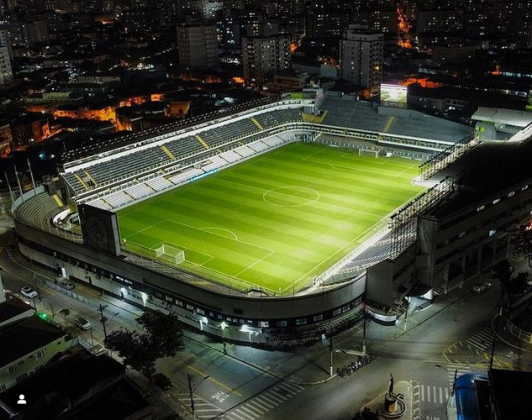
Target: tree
(164, 332)
(366, 414)
(522, 243)
(162, 337)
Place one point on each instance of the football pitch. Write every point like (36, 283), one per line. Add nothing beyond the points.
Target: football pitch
(276, 221)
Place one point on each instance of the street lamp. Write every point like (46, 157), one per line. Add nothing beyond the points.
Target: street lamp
(223, 326)
(191, 391)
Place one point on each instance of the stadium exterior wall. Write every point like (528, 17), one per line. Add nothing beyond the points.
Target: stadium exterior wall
(256, 320)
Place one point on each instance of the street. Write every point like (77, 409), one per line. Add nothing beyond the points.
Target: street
(251, 384)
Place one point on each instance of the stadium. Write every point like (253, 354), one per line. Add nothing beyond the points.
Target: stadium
(270, 223)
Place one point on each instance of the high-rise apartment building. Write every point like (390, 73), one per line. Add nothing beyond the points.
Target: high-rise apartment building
(6, 72)
(198, 46)
(361, 57)
(262, 56)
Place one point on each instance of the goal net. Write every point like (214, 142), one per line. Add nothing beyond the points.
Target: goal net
(368, 152)
(170, 254)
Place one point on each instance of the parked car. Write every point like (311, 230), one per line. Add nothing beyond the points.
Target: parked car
(482, 288)
(82, 323)
(97, 350)
(162, 381)
(29, 292)
(67, 285)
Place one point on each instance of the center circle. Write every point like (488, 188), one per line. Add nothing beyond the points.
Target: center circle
(291, 196)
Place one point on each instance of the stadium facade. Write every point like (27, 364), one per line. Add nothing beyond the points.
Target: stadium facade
(456, 228)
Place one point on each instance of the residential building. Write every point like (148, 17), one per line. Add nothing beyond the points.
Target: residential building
(198, 46)
(262, 56)
(6, 72)
(361, 56)
(27, 342)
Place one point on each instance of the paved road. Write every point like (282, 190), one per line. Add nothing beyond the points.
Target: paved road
(253, 384)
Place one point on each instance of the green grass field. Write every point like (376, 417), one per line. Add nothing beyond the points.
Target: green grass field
(275, 221)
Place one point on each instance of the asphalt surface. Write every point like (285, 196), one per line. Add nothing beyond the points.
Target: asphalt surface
(455, 333)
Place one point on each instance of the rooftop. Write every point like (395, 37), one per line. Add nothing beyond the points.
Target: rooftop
(503, 116)
(25, 337)
(12, 307)
(511, 391)
(56, 392)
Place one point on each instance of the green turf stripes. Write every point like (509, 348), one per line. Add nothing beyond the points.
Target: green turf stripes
(274, 221)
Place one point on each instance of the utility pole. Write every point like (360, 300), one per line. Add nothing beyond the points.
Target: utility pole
(103, 319)
(191, 396)
(364, 330)
(331, 353)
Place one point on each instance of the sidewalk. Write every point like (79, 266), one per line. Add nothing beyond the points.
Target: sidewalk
(307, 365)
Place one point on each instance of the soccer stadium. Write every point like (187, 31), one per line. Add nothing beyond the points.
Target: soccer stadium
(267, 223)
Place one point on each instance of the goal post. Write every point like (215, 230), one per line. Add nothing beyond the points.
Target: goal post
(170, 254)
(368, 152)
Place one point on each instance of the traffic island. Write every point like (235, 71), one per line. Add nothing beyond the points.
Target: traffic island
(394, 405)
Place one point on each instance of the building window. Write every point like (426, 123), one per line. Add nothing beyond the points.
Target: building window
(12, 369)
(21, 377)
(317, 318)
(39, 354)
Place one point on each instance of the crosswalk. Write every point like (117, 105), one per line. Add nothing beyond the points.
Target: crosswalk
(264, 402)
(459, 368)
(252, 409)
(432, 418)
(481, 340)
(433, 394)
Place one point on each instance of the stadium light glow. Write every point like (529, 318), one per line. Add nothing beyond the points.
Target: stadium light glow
(144, 297)
(245, 328)
(223, 326)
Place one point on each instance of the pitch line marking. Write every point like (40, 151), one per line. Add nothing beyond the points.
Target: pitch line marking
(321, 203)
(221, 236)
(341, 250)
(256, 262)
(295, 187)
(222, 229)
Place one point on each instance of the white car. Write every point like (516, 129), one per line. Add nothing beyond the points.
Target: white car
(477, 290)
(29, 292)
(82, 323)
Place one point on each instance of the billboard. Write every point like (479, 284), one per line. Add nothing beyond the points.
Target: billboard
(99, 229)
(393, 95)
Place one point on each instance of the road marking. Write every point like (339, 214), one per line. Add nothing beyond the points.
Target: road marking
(248, 411)
(276, 397)
(243, 414)
(268, 398)
(237, 416)
(253, 408)
(292, 386)
(422, 393)
(193, 369)
(278, 392)
(266, 403)
(259, 407)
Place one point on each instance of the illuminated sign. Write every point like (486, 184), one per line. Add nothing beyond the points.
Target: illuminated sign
(393, 95)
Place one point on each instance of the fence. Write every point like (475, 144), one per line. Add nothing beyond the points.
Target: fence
(518, 332)
(147, 258)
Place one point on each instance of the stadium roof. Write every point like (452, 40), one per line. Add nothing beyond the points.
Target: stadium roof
(486, 170)
(503, 116)
(363, 116)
